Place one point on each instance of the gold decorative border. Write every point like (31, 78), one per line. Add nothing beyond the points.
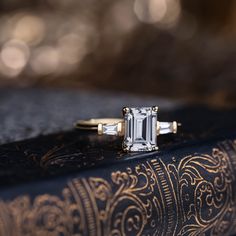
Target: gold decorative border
(195, 196)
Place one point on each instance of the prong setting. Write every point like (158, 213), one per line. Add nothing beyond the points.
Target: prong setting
(125, 148)
(126, 110)
(155, 108)
(155, 148)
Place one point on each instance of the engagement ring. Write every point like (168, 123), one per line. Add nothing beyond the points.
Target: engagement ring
(139, 127)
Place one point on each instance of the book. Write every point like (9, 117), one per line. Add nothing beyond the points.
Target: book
(79, 183)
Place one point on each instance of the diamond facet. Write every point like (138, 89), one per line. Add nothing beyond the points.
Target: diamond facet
(140, 129)
(110, 129)
(166, 128)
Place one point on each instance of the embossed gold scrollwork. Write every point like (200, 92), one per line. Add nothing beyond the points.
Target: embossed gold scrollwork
(207, 182)
(124, 212)
(194, 196)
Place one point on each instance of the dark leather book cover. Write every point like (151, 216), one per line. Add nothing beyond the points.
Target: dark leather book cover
(79, 183)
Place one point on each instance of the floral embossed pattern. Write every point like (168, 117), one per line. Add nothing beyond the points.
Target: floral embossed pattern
(193, 196)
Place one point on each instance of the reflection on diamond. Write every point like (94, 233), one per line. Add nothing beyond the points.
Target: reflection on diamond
(110, 129)
(140, 129)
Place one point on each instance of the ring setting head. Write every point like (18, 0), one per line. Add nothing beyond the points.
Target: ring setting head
(140, 129)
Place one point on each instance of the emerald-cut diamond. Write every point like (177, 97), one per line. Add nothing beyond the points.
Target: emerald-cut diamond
(140, 129)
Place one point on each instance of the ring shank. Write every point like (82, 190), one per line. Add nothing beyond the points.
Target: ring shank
(92, 124)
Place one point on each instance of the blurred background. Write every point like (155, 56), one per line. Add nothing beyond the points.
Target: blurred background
(176, 49)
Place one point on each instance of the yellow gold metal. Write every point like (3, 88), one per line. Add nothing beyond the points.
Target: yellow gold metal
(92, 124)
(158, 128)
(100, 128)
(155, 149)
(121, 129)
(125, 148)
(155, 108)
(175, 127)
(126, 110)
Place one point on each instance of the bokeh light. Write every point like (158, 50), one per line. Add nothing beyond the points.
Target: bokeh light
(157, 11)
(55, 40)
(14, 57)
(30, 29)
(45, 60)
(150, 11)
(97, 43)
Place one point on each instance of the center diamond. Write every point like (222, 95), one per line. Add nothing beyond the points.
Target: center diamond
(140, 129)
